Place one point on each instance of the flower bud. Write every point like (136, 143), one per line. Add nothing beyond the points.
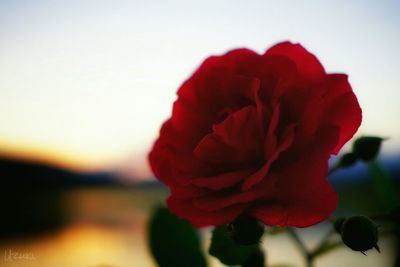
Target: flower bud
(367, 147)
(246, 230)
(359, 233)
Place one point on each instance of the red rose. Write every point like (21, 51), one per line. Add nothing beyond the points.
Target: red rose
(251, 134)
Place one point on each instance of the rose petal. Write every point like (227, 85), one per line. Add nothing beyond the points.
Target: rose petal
(159, 163)
(277, 74)
(285, 141)
(313, 205)
(271, 139)
(188, 191)
(185, 209)
(322, 108)
(211, 84)
(221, 201)
(307, 63)
(342, 108)
(233, 142)
(221, 181)
(302, 196)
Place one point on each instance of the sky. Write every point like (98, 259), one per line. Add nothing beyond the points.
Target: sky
(87, 84)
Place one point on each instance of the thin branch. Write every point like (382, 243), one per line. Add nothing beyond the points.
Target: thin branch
(297, 240)
(327, 247)
(303, 249)
(324, 239)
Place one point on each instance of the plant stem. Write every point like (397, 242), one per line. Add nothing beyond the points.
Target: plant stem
(304, 251)
(322, 242)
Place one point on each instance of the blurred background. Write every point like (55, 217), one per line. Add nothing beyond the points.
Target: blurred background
(85, 86)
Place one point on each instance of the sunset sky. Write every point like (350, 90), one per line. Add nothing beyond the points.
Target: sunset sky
(87, 84)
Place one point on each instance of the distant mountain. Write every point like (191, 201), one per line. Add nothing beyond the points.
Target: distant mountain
(31, 195)
(26, 174)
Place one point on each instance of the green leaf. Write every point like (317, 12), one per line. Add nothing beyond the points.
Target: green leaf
(246, 230)
(347, 160)
(227, 250)
(367, 147)
(174, 242)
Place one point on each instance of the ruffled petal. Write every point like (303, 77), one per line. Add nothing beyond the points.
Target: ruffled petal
(307, 63)
(233, 142)
(215, 82)
(284, 143)
(301, 194)
(185, 209)
(221, 181)
(342, 108)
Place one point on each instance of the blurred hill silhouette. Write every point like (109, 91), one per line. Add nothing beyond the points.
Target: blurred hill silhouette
(20, 173)
(31, 195)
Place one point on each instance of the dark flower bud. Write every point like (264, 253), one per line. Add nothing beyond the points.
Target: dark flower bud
(359, 233)
(347, 160)
(367, 147)
(246, 230)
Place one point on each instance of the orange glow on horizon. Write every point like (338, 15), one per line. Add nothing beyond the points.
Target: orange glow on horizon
(127, 167)
(50, 155)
